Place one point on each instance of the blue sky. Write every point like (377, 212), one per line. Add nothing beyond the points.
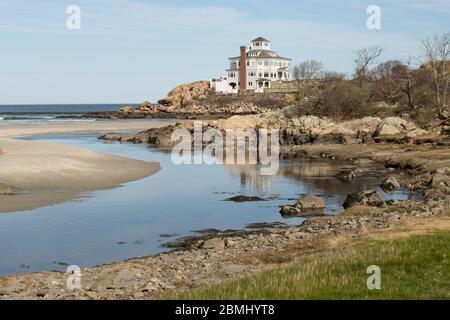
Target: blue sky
(135, 50)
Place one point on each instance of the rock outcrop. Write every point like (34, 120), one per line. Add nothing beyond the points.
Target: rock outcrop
(393, 126)
(365, 198)
(159, 137)
(292, 130)
(185, 94)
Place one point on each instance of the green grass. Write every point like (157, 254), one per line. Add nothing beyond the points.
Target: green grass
(412, 268)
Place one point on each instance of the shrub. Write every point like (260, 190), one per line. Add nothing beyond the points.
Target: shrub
(344, 100)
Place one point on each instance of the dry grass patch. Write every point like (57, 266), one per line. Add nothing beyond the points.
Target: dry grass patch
(416, 267)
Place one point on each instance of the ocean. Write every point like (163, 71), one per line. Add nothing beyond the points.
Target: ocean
(51, 113)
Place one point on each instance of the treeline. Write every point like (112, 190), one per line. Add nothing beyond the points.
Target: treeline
(388, 88)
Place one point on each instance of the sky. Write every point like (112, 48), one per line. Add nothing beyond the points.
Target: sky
(128, 51)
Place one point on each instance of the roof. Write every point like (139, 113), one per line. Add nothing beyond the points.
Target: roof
(260, 39)
(262, 54)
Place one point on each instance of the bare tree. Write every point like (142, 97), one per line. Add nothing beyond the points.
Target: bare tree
(308, 70)
(408, 83)
(364, 59)
(332, 76)
(436, 50)
(387, 80)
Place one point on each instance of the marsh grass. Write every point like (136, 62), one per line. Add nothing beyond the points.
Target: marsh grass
(413, 268)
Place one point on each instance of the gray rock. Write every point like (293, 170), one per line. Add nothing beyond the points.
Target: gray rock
(213, 244)
(290, 211)
(439, 179)
(310, 203)
(390, 184)
(245, 199)
(387, 130)
(112, 136)
(365, 198)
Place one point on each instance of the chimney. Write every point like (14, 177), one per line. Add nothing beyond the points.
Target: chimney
(243, 69)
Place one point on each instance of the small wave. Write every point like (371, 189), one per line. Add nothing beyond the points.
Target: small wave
(9, 118)
(72, 120)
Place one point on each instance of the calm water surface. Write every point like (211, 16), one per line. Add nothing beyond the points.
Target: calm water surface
(126, 222)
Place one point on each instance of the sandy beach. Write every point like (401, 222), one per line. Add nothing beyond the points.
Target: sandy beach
(39, 174)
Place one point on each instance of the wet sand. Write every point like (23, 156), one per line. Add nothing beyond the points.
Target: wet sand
(15, 130)
(43, 174)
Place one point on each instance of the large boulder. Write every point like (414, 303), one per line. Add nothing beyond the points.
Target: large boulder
(440, 180)
(366, 124)
(364, 198)
(308, 123)
(185, 94)
(387, 130)
(310, 203)
(393, 126)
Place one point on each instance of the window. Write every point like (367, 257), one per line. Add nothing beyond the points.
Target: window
(266, 63)
(250, 84)
(266, 75)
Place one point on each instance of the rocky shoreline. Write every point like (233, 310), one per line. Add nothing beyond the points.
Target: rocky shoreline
(217, 256)
(216, 259)
(395, 143)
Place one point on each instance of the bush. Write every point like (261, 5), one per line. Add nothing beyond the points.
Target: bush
(344, 100)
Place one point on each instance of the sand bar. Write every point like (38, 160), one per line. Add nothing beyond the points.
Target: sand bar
(15, 130)
(46, 173)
